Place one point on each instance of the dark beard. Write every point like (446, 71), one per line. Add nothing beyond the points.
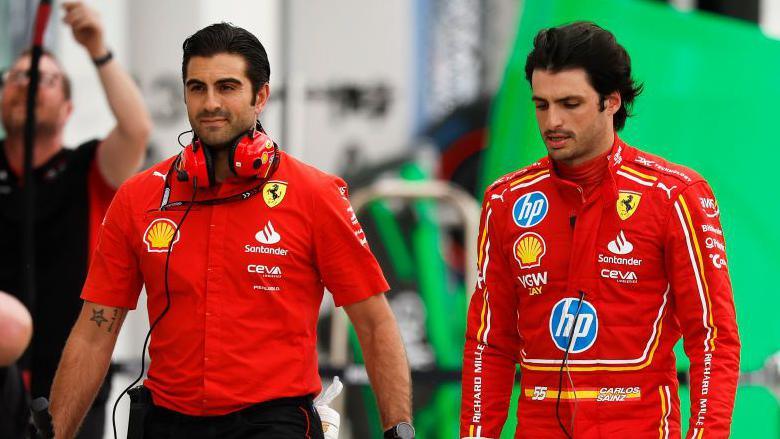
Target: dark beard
(222, 146)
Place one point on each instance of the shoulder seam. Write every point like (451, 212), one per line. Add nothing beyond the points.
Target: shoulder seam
(666, 170)
(510, 177)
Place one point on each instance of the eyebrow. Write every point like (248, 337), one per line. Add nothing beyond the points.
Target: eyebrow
(193, 81)
(563, 99)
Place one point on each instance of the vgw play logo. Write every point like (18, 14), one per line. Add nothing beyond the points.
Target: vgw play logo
(582, 333)
(530, 209)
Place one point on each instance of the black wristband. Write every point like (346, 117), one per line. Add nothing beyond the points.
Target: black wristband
(102, 60)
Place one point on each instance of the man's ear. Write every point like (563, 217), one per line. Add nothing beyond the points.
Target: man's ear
(262, 98)
(67, 110)
(612, 103)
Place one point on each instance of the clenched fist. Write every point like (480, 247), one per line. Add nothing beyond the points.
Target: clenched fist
(86, 27)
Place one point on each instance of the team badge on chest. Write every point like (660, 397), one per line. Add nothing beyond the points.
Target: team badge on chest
(529, 249)
(159, 234)
(627, 203)
(273, 193)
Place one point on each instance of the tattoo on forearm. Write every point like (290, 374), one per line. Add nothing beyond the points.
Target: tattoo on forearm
(114, 318)
(97, 317)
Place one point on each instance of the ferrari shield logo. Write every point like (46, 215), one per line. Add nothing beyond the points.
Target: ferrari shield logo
(273, 192)
(627, 203)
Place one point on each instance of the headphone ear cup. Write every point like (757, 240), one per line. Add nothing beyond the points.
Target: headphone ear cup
(253, 155)
(196, 162)
(235, 167)
(179, 167)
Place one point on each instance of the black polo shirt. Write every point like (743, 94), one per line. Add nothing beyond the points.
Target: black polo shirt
(62, 231)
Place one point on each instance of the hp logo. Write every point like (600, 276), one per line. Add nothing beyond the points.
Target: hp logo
(583, 332)
(530, 209)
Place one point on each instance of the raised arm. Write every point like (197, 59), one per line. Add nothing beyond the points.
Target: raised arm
(83, 366)
(122, 151)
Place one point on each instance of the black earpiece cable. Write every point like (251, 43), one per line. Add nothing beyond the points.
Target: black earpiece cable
(563, 364)
(165, 310)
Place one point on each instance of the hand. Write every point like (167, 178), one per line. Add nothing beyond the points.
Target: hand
(86, 27)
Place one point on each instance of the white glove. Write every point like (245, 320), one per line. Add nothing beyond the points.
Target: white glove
(331, 420)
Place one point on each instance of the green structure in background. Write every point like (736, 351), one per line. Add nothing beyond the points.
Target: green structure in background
(710, 102)
(416, 258)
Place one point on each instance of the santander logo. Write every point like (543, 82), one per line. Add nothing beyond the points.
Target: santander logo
(620, 245)
(268, 235)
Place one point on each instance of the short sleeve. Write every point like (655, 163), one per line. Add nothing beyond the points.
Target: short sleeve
(348, 268)
(100, 195)
(114, 277)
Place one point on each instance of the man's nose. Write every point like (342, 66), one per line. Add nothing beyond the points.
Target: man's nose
(213, 101)
(554, 118)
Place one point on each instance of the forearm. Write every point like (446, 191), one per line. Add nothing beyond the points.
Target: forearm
(388, 371)
(713, 384)
(125, 100)
(83, 366)
(80, 374)
(488, 378)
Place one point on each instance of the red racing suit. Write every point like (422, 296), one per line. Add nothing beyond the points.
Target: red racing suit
(610, 282)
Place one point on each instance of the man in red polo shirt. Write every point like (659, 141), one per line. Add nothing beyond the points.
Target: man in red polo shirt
(235, 242)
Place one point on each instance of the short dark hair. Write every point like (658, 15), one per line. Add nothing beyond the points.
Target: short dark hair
(66, 87)
(585, 45)
(227, 38)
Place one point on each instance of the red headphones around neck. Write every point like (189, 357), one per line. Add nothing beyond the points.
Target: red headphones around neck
(252, 155)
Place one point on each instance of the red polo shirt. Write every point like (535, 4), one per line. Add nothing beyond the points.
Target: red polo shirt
(246, 281)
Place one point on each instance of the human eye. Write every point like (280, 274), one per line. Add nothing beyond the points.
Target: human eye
(228, 87)
(540, 105)
(571, 104)
(49, 79)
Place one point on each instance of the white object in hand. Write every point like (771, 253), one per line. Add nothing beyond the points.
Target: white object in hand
(331, 420)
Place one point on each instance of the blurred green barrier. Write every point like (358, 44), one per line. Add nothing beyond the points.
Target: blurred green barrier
(415, 259)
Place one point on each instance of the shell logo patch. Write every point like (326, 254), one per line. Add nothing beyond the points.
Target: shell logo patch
(274, 192)
(627, 203)
(529, 249)
(159, 234)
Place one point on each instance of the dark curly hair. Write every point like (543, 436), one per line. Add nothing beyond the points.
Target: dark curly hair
(585, 45)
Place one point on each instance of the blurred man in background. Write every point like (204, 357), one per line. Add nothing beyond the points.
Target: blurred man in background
(593, 262)
(74, 189)
(235, 241)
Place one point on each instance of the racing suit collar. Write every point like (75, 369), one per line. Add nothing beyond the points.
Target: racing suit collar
(620, 152)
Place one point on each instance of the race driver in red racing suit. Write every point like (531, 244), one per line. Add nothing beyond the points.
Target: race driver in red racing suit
(592, 263)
